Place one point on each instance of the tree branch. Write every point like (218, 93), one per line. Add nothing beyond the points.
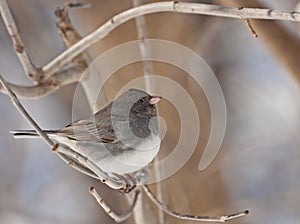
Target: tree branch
(65, 76)
(180, 7)
(12, 30)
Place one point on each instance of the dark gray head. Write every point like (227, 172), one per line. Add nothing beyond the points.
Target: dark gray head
(137, 107)
(137, 103)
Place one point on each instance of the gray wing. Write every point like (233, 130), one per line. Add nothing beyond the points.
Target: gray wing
(96, 128)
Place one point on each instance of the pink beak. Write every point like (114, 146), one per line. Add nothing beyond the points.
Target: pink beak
(155, 99)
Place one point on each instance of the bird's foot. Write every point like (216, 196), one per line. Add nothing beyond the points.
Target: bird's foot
(130, 181)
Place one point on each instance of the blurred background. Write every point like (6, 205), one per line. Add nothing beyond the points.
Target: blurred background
(257, 167)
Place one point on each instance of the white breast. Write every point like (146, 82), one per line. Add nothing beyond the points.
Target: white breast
(132, 160)
(126, 162)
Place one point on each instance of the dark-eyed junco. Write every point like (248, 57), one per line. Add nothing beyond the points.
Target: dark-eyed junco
(121, 138)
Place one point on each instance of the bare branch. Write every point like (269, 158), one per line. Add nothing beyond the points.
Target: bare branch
(108, 210)
(180, 7)
(252, 30)
(65, 76)
(11, 27)
(164, 208)
(65, 28)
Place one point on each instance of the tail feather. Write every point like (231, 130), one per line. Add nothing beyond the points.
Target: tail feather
(27, 133)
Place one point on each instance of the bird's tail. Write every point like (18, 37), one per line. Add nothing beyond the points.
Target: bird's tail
(27, 133)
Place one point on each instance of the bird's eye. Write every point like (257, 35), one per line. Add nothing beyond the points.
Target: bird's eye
(141, 101)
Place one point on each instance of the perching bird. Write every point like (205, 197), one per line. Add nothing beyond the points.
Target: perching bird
(121, 138)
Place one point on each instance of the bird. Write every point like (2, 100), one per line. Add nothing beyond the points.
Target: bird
(121, 138)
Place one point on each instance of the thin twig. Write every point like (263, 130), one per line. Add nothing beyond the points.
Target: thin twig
(116, 217)
(180, 7)
(178, 215)
(252, 30)
(11, 27)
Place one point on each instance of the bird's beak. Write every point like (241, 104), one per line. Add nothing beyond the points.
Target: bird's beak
(155, 99)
